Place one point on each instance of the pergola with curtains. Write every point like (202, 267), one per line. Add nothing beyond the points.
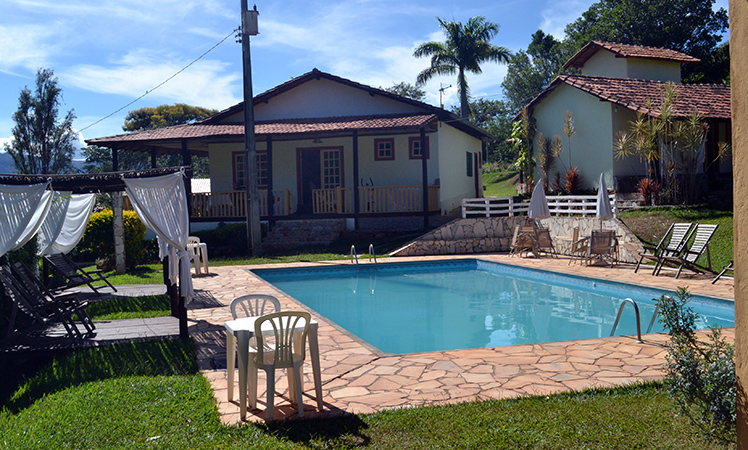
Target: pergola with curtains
(57, 208)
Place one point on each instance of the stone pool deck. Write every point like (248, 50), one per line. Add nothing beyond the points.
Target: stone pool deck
(357, 379)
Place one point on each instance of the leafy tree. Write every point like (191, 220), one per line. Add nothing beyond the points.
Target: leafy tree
(99, 159)
(405, 89)
(495, 117)
(466, 48)
(689, 26)
(161, 116)
(42, 144)
(529, 72)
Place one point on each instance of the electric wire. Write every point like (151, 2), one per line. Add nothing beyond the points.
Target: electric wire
(163, 82)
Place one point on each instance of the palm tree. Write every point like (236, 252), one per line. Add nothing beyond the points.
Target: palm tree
(466, 48)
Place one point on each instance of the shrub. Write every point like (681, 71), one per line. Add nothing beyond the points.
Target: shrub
(573, 180)
(98, 242)
(648, 189)
(700, 375)
(228, 240)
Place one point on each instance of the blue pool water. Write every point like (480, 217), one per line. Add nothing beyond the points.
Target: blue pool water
(446, 305)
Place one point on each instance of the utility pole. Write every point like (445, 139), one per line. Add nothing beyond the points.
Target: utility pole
(254, 235)
(442, 88)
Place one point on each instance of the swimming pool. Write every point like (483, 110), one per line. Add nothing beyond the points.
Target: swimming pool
(446, 305)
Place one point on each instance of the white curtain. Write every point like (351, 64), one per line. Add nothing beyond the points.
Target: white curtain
(161, 203)
(65, 223)
(22, 210)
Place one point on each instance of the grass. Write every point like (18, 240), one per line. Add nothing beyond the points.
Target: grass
(150, 394)
(500, 184)
(650, 224)
(130, 308)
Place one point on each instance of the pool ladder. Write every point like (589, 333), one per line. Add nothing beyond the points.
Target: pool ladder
(638, 320)
(354, 255)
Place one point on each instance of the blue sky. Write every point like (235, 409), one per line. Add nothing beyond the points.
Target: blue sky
(108, 53)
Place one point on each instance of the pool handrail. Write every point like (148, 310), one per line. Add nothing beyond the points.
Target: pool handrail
(638, 321)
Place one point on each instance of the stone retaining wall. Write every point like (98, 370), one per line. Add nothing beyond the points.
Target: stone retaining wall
(490, 235)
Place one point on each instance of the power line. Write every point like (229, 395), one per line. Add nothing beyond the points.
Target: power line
(163, 82)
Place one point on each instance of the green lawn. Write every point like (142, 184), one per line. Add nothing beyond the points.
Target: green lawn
(151, 395)
(500, 184)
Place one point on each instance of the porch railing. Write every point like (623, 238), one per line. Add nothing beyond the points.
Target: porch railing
(374, 199)
(559, 205)
(232, 204)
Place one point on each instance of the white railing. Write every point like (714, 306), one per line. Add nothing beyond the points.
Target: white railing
(559, 205)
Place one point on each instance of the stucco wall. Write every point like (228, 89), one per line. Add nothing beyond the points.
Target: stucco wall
(650, 69)
(454, 182)
(633, 165)
(738, 71)
(325, 98)
(605, 64)
(591, 145)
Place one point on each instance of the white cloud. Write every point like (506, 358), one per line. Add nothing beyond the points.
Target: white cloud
(24, 46)
(4, 141)
(556, 15)
(202, 84)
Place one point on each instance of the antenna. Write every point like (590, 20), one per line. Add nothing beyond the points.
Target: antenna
(441, 92)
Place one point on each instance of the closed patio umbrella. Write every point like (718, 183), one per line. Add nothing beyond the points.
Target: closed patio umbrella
(538, 203)
(604, 210)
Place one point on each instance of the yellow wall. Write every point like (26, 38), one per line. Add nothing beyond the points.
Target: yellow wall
(454, 182)
(738, 71)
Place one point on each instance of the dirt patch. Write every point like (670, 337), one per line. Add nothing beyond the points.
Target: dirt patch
(650, 228)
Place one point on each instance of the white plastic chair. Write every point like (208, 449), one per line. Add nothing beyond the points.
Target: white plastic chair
(249, 305)
(288, 343)
(199, 252)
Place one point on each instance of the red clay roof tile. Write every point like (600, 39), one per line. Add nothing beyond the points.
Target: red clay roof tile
(626, 51)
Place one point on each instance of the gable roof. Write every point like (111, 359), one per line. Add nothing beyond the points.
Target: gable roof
(316, 74)
(279, 129)
(711, 100)
(626, 51)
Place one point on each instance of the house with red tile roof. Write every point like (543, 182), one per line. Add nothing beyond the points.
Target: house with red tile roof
(615, 82)
(328, 147)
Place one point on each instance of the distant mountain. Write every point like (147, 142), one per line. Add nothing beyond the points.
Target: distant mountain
(6, 163)
(7, 166)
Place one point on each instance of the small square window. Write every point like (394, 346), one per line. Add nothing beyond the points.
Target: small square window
(384, 149)
(414, 145)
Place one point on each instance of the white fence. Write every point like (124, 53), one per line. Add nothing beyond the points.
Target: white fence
(559, 205)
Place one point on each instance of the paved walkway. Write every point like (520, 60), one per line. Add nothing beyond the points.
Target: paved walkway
(358, 380)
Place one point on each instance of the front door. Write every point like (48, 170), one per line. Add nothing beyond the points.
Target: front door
(309, 178)
(318, 168)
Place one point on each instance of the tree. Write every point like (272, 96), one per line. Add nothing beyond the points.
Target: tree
(688, 26)
(465, 49)
(99, 159)
(495, 117)
(405, 89)
(531, 71)
(42, 144)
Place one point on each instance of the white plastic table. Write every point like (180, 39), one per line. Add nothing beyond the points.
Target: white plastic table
(238, 333)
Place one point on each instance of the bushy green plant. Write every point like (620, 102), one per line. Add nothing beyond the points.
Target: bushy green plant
(98, 241)
(227, 240)
(700, 375)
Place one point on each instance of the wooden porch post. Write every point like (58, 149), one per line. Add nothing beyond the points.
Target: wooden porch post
(425, 178)
(271, 197)
(153, 158)
(356, 193)
(115, 159)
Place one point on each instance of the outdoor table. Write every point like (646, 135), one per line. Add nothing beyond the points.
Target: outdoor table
(238, 333)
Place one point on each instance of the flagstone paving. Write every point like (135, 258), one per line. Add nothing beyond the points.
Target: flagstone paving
(358, 379)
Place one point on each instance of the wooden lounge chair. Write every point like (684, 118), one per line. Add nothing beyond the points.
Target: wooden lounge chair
(725, 269)
(671, 244)
(36, 288)
(687, 259)
(44, 313)
(75, 274)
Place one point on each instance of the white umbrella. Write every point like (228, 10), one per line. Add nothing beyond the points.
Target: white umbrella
(604, 210)
(538, 203)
